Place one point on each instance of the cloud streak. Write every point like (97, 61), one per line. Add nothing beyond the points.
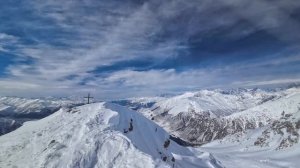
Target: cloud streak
(186, 45)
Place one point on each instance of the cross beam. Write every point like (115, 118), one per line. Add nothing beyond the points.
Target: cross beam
(89, 97)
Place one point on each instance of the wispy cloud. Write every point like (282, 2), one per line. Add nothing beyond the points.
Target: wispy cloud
(7, 40)
(189, 45)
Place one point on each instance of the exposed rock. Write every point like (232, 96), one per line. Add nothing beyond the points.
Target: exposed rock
(286, 127)
(201, 128)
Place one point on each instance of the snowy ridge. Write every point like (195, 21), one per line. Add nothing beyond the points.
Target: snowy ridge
(15, 111)
(271, 110)
(200, 117)
(23, 107)
(217, 102)
(96, 135)
(139, 103)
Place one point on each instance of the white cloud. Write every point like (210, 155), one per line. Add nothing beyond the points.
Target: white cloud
(275, 82)
(101, 41)
(124, 32)
(7, 40)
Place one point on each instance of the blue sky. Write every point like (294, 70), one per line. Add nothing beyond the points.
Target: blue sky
(118, 49)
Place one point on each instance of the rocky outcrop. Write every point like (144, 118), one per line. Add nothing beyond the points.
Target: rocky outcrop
(287, 129)
(201, 128)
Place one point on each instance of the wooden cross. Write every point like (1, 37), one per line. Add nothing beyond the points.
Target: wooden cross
(89, 97)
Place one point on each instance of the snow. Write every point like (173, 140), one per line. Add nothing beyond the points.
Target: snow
(236, 154)
(14, 106)
(98, 135)
(271, 110)
(239, 150)
(199, 117)
(15, 111)
(139, 104)
(92, 136)
(216, 102)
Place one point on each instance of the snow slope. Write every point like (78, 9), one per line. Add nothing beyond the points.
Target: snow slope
(272, 110)
(15, 111)
(216, 102)
(96, 135)
(276, 145)
(139, 103)
(200, 117)
(30, 108)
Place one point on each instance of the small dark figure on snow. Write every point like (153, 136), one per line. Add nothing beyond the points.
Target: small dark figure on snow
(283, 113)
(125, 131)
(167, 143)
(130, 125)
(173, 160)
(69, 110)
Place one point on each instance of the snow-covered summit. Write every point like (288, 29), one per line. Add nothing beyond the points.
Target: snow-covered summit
(96, 135)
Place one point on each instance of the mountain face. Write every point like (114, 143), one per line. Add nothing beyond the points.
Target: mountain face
(204, 116)
(274, 145)
(285, 132)
(139, 103)
(15, 111)
(96, 135)
(8, 125)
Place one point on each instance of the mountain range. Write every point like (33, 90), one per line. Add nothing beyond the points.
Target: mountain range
(207, 128)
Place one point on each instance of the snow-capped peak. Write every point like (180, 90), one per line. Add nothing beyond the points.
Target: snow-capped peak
(96, 135)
